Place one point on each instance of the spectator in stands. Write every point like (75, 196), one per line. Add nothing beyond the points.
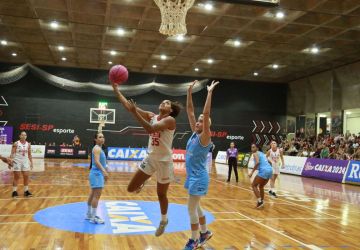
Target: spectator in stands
(76, 142)
(356, 155)
(336, 147)
(325, 152)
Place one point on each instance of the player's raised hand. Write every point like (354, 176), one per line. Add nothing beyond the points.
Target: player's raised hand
(212, 86)
(191, 86)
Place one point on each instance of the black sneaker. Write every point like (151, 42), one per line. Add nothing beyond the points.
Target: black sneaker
(274, 194)
(15, 194)
(270, 192)
(260, 204)
(27, 194)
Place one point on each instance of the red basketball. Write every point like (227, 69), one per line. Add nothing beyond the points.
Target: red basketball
(118, 74)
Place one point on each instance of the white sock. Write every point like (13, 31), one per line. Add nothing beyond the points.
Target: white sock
(164, 217)
(194, 235)
(89, 209)
(14, 188)
(203, 228)
(26, 188)
(259, 200)
(93, 211)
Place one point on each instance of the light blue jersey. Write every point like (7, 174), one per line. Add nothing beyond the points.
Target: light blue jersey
(96, 177)
(265, 169)
(197, 177)
(102, 159)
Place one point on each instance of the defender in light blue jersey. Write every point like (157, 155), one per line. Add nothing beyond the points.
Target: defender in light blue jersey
(97, 177)
(265, 173)
(197, 177)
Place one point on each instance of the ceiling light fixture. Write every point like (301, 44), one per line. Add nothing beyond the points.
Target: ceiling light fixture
(4, 42)
(54, 25)
(256, 73)
(154, 66)
(196, 69)
(120, 31)
(208, 6)
(61, 48)
(210, 61)
(237, 43)
(163, 57)
(110, 62)
(113, 52)
(63, 58)
(279, 15)
(180, 38)
(314, 50)
(14, 54)
(275, 66)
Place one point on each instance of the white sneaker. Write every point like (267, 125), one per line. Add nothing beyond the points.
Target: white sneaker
(161, 229)
(88, 216)
(97, 220)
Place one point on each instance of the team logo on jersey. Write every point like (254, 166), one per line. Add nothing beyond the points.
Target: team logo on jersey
(121, 217)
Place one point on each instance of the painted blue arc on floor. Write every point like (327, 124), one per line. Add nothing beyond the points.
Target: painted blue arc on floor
(121, 217)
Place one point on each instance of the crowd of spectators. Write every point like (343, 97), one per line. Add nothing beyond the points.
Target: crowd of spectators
(340, 147)
(76, 143)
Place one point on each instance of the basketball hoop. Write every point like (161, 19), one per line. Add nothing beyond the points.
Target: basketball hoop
(173, 16)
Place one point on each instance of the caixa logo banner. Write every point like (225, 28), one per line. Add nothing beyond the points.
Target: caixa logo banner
(138, 154)
(353, 173)
(132, 154)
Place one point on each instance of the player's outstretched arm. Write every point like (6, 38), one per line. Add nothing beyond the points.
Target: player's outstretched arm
(205, 136)
(145, 114)
(166, 123)
(190, 107)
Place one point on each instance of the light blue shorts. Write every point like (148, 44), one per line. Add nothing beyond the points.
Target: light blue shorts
(96, 179)
(266, 173)
(197, 186)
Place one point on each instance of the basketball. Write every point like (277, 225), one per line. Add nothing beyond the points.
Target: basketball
(118, 74)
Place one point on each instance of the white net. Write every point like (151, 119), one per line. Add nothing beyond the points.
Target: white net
(173, 16)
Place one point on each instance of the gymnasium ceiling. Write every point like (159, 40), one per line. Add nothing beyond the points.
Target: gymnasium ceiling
(88, 31)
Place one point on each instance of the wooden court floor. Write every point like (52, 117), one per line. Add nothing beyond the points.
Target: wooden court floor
(309, 214)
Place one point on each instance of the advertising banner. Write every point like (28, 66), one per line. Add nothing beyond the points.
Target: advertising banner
(66, 152)
(129, 154)
(38, 151)
(325, 169)
(179, 155)
(221, 157)
(353, 173)
(6, 135)
(5, 150)
(293, 165)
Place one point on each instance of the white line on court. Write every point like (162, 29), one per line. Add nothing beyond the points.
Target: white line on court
(14, 215)
(72, 185)
(122, 196)
(289, 202)
(269, 219)
(18, 222)
(312, 247)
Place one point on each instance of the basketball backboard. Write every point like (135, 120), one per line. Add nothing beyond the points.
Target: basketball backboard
(100, 115)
